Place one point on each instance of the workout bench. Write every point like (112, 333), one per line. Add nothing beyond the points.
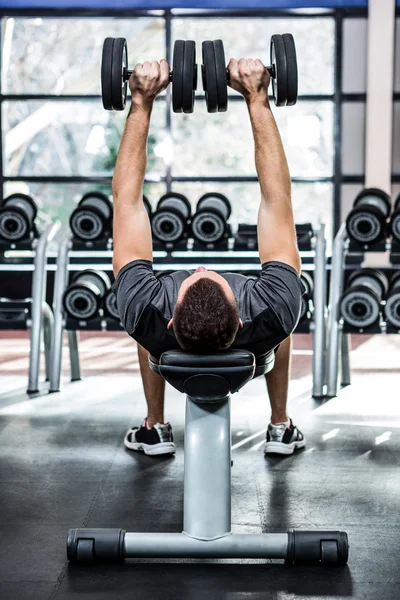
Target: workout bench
(208, 382)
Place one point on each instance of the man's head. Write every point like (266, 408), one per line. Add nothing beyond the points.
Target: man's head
(206, 317)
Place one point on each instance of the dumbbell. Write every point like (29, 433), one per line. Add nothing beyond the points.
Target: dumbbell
(366, 223)
(395, 220)
(360, 305)
(92, 217)
(110, 305)
(17, 215)
(283, 71)
(308, 294)
(391, 309)
(169, 222)
(210, 222)
(83, 298)
(115, 75)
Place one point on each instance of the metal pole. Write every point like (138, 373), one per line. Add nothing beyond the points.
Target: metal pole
(345, 371)
(179, 545)
(74, 356)
(39, 280)
(207, 482)
(319, 334)
(335, 293)
(59, 287)
(48, 324)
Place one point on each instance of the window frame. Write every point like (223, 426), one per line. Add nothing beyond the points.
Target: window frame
(337, 97)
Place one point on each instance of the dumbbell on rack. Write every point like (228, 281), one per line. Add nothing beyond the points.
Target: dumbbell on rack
(83, 298)
(115, 75)
(391, 309)
(360, 305)
(17, 216)
(366, 223)
(283, 71)
(91, 219)
(308, 294)
(210, 222)
(169, 221)
(395, 220)
(110, 306)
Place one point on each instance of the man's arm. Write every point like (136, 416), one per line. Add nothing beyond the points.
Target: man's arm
(132, 232)
(276, 230)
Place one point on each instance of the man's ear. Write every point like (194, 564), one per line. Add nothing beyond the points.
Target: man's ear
(240, 323)
(170, 324)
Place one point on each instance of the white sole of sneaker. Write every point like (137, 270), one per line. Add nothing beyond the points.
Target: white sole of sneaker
(151, 449)
(280, 448)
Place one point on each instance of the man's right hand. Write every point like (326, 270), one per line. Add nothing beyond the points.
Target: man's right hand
(250, 78)
(147, 81)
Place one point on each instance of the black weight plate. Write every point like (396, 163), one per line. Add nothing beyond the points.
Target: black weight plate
(291, 63)
(174, 195)
(220, 69)
(278, 61)
(29, 199)
(118, 83)
(209, 77)
(189, 77)
(178, 76)
(215, 195)
(106, 62)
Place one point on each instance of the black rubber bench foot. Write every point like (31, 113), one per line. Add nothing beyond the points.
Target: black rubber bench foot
(326, 547)
(95, 545)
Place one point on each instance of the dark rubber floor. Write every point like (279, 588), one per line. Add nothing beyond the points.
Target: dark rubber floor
(63, 464)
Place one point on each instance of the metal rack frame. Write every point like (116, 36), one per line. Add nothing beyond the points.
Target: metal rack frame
(70, 259)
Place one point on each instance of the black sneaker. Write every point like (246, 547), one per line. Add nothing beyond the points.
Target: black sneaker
(283, 440)
(157, 440)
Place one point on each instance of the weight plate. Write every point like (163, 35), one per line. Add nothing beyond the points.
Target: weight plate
(106, 62)
(87, 225)
(375, 274)
(147, 204)
(397, 203)
(119, 84)
(278, 62)
(178, 76)
(175, 195)
(215, 195)
(99, 201)
(209, 77)
(220, 70)
(24, 197)
(14, 224)
(392, 309)
(376, 197)
(189, 77)
(291, 63)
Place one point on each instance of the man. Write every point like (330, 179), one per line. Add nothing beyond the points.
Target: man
(204, 311)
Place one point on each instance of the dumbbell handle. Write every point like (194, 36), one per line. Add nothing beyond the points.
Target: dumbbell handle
(127, 73)
(271, 71)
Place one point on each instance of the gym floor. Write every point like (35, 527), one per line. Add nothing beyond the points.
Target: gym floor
(63, 464)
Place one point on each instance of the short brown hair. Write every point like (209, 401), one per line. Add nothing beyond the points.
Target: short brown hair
(205, 320)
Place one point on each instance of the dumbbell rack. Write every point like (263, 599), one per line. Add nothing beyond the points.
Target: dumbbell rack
(346, 256)
(31, 313)
(233, 254)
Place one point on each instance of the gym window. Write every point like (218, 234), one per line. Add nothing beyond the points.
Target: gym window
(59, 142)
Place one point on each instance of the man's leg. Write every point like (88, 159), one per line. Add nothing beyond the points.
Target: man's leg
(282, 436)
(153, 437)
(278, 382)
(154, 389)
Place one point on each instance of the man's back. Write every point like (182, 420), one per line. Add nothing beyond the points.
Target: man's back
(269, 305)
